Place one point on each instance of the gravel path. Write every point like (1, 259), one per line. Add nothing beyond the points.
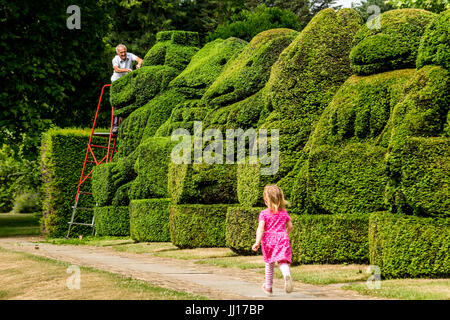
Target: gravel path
(182, 275)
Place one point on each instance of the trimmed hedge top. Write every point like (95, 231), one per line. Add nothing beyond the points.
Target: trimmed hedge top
(308, 73)
(136, 88)
(247, 72)
(206, 65)
(419, 152)
(354, 115)
(435, 43)
(173, 48)
(391, 46)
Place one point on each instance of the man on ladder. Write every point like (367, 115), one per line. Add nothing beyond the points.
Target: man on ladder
(122, 64)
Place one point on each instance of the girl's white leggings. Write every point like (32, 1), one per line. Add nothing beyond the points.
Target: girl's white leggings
(284, 268)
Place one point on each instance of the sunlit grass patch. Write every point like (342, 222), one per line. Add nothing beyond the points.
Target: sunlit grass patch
(407, 289)
(197, 253)
(25, 276)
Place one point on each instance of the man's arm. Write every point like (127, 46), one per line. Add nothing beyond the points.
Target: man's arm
(119, 70)
(139, 62)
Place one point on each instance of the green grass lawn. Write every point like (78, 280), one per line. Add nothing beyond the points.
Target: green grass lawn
(406, 289)
(18, 224)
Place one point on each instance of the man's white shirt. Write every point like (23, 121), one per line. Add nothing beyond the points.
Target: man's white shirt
(123, 64)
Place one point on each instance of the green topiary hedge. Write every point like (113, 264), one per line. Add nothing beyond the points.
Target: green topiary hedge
(435, 43)
(302, 82)
(138, 87)
(418, 156)
(172, 48)
(153, 158)
(409, 247)
(202, 183)
(206, 65)
(198, 225)
(62, 157)
(391, 46)
(111, 182)
(241, 225)
(308, 73)
(112, 221)
(330, 239)
(103, 188)
(343, 170)
(346, 180)
(149, 220)
(247, 73)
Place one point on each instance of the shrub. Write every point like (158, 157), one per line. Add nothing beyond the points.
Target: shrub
(103, 188)
(343, 169)
(244, 114)
(139, 87)
(418, 155)
(246, 24)
(198, 225)
(247, 72)
(62, 157)
(346, 180)
(27, 202)
(172, 48)
(109, 179)
(241, 225)
(202, 183)
(151, 180)
(329, 239)
(392, 46)
(131, 131)
(8, 169)
(409, 247)
(251, 183)
(112, 221)
(149, 220)
(18, 176)
(304, 79)
(361, 109)
(206, 65)
(160, 108)
(435, 43)
(183, 116)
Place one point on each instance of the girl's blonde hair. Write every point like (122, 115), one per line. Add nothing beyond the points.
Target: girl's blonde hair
(274, 197)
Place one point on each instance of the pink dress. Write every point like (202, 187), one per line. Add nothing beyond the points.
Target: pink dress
(275, 244)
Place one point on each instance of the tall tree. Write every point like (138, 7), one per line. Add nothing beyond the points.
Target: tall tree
(50, 73)
(430, 5)
(366, 8)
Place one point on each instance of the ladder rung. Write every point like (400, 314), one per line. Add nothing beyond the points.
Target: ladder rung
(96, 146)
(83, 208)
(81, 224)
(103, 134)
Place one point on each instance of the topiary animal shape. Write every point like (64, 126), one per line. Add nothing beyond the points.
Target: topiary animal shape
(391, 46)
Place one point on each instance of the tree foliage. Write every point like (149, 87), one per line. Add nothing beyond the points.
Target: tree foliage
(248, 24)
(430, 5)
(50, 74)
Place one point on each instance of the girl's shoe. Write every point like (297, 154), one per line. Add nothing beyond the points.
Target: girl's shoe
(267, 291)
(288, 287)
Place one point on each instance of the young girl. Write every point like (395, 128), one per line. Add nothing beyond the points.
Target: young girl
(273, 233)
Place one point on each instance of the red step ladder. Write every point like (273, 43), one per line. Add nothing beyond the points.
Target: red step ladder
(91, 158)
